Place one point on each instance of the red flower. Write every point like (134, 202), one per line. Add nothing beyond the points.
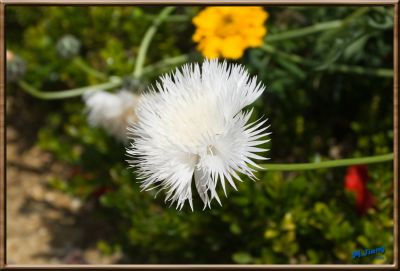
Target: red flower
(356, 181)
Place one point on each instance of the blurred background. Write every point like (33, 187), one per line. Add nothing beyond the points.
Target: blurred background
(72, 199)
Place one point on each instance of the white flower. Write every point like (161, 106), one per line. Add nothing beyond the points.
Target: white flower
(112, 112)
(194, 126)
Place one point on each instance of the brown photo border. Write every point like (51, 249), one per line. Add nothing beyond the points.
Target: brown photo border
(393, 3)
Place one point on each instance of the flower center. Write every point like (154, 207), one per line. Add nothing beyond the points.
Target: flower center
(226, 27)
(227, 19)
(211, 150)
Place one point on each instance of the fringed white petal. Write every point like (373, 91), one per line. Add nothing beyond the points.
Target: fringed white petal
(191, 128)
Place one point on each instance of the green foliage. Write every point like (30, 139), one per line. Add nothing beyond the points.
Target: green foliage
(316, 112)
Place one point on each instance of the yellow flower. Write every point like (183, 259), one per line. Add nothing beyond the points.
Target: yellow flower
(228, 31)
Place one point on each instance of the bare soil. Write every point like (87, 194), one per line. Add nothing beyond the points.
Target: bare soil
(43, 225)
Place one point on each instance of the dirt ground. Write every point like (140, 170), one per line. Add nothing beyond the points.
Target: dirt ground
(44, 226)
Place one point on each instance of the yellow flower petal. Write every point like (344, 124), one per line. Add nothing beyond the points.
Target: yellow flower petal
(232, 47)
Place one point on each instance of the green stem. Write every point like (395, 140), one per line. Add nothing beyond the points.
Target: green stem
(328, 164)
(303, 31)
(144, 45)
(292, 57)
(361, 70)
(318, 27)
(172, 61)
(80, 63)
(380, 72)
(53, 95)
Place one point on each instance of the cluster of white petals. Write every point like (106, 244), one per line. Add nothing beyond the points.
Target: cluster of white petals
(113, 112)
(192, 126)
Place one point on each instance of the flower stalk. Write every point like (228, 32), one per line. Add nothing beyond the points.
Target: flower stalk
(114, 82)
(379, 72)
(144, 45)
(297, 33)
(166, 62)
(81, 64)
(318, 27)
(328, 164)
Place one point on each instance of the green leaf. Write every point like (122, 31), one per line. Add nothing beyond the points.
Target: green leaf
(355, 48)
(291, 67)
(242, 258)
